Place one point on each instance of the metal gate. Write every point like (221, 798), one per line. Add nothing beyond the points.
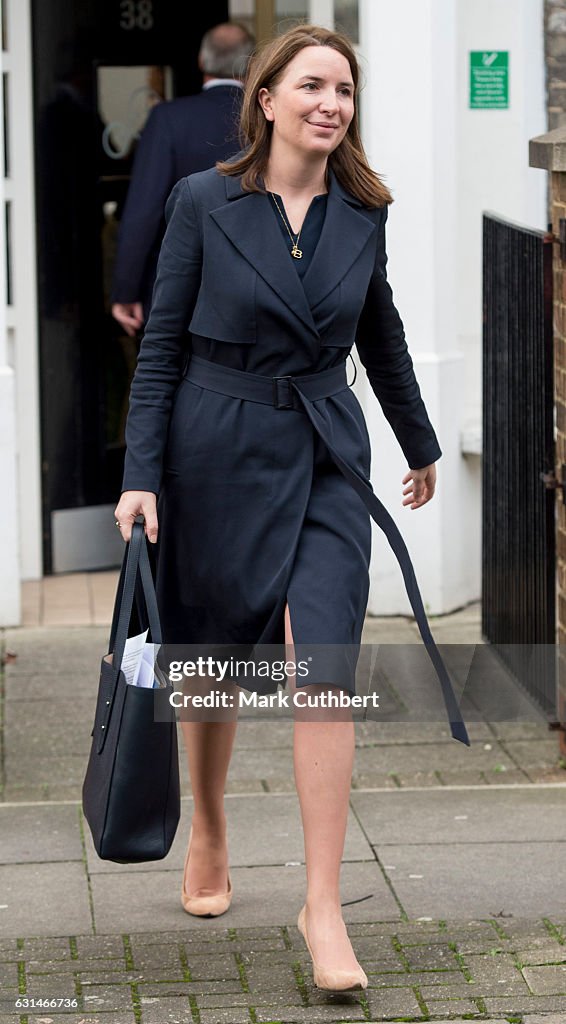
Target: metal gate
(518, 533)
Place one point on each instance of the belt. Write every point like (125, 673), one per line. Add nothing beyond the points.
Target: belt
(297, 393)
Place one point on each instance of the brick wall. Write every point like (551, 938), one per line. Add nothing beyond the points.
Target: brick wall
(555, 52)
(548, 152)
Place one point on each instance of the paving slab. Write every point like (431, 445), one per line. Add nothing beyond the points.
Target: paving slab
(547, 980)
(526, 933)
(232, 1015)
(73, 1018)
(521, 730)
(546, 954)
(442, 757)
(546, 1018)
(74, 649)
(470, 936)
(231, 974)
(39, 833)
(405, 733)
(320, 1014)
(42, 792)
(108, 997)
(48, 727)
(457, 630)
(31, 602)
(519, 1005)
(137, 901)
(375, 780)
(453, 816)
(102, 587)
(393, 629)
(484, 975)
(59, 777)
(438, 981)
(539, 753)
(262, 830)
(470, 612)
(52, 985)
(43, 949)
(441, 1008)
(513, 777)
(273, 767)
(253, 735)
(430, 956)
(455, 881)
(165, 1010)
(44, 899)
(22, 687)
(393, 1002)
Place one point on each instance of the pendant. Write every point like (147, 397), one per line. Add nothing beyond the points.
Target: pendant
(296, 252)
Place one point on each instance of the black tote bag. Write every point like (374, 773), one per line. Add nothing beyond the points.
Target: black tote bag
(131, 789)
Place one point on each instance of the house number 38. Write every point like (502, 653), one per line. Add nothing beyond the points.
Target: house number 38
(136, 14)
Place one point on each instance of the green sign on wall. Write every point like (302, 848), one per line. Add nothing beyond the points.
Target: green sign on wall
(489, 79)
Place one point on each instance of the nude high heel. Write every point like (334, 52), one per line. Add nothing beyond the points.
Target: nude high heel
(204, 906)
(332, 980)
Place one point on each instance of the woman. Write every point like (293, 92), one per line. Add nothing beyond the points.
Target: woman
(257, 448)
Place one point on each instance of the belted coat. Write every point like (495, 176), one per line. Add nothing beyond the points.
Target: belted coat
(263, 504)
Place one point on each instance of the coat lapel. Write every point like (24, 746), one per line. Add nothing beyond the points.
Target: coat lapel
(249, 224)
(344, 234)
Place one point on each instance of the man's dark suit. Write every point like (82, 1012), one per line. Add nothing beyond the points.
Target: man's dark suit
(180, 137)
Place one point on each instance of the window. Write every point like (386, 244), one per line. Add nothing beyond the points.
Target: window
(346, 18)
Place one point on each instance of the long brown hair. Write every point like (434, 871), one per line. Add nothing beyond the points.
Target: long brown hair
(265, 69)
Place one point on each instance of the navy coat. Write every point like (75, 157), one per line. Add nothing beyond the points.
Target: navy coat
(180, 137)
(254, 509)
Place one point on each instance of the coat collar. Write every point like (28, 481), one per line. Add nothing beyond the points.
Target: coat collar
(249, 225)
(234, 188)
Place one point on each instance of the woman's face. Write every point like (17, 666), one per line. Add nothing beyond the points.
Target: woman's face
(312, 105)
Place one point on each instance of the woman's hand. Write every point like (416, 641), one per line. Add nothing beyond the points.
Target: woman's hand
(421, 487)
(135, 503)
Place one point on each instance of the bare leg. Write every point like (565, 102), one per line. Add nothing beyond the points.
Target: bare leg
(323, 762)
(209, 749)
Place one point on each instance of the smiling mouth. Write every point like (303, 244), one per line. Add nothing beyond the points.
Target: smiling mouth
(321, 124)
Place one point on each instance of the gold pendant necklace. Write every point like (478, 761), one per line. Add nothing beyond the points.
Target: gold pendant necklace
(295, 251)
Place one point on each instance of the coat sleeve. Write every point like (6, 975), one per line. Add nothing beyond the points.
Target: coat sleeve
(165, 343)
(381, 344)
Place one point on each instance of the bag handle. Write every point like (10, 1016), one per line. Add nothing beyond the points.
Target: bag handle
(136, 559)
(139, 598)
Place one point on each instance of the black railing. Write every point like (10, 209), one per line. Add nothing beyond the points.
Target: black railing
(518, 537)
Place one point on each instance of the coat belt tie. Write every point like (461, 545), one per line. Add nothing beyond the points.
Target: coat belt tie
(298, 393)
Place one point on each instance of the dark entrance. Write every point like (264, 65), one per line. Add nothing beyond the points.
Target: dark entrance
(99, 67)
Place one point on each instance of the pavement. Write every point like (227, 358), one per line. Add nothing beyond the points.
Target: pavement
(453, 874)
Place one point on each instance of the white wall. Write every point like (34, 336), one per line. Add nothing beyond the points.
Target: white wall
(444, 164)
(20, 522)
(21, 316)
(493, 157)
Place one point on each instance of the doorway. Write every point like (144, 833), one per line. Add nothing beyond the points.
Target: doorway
(99, 67)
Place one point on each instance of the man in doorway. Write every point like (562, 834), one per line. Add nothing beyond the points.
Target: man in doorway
(180, 137)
